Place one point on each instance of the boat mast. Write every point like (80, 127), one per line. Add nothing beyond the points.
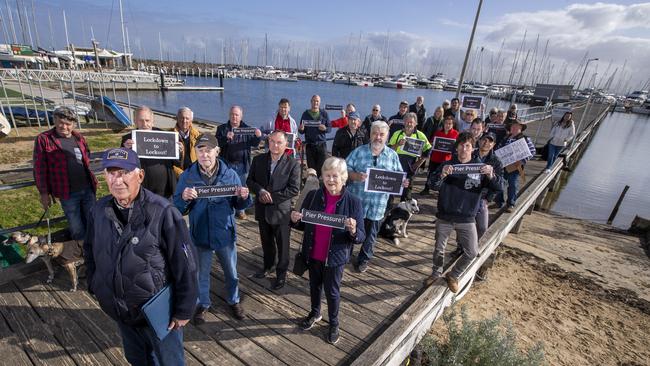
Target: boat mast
(127, 64)
(469, 48)
(11, 22)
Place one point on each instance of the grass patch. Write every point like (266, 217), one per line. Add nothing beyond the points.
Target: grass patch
(10, 93)
(103, 141)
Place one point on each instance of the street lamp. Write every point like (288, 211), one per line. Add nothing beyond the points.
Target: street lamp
(583, 72)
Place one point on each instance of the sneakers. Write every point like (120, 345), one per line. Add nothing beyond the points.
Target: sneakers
(333, 334)
(263, 273)
(510, 208)
(546, 171)
(237, 311)
(309, 321)
(242, 215)
(452, 283)
(199, 315)
(430, 280)
(362, 267)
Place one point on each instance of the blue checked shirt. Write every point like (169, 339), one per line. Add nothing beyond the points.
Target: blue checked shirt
(359, 160)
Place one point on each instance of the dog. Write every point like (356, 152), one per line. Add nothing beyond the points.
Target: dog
(395, 224)
(68, 254)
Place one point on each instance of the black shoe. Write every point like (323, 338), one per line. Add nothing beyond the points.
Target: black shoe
(237, 311)
(279, 283)
(333, 335)
(199, 315)
(362, 267)
(309, 321)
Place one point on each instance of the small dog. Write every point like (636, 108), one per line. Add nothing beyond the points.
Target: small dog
(394, 226)
(68, 254)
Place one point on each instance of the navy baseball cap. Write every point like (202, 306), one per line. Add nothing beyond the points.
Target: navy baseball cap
(489, 135)
(354, 115)
(208, 140)
(122, 158)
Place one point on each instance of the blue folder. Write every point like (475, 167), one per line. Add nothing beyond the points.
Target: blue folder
(158, 312)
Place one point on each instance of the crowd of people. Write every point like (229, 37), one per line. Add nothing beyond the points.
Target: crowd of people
(136, 240)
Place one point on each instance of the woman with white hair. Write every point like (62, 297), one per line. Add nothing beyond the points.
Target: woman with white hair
(327, 249)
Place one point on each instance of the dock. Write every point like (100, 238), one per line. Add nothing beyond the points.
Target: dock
(384, 312)
(192, 88)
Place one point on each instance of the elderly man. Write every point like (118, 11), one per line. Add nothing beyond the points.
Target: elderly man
(375, 115)
(138, 243)
(396, 121)
(372, 155)
(419, 110)
(466, 120)
(315, 136)
(275, 180)
(212, 223)
(349, 137)
(236, 147)
(497, 126)
(454, 110)
(187, 135)
(62, 170)
(160, 177)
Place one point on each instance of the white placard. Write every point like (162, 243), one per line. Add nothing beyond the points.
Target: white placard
(513, 152)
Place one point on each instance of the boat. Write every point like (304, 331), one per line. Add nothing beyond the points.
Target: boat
(396, 84)
(643, 108)
(451, 85)
(477, 89)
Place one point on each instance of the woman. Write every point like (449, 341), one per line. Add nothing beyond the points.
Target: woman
(326, 249)
(438, 157)
(433, 123)
(561, 133)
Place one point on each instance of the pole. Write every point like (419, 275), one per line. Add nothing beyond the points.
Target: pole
(20, 87)
(11, 112)
(31, 92)
(583, 72)
(469, 48)
(617, 205)
(74, 97)
(126, 64)
(47, 117)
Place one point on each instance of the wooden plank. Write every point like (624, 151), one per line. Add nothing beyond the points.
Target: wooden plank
(34, 336)
(12, 353)
(205, 350)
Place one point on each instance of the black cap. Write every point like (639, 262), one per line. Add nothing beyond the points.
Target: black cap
(207, 140)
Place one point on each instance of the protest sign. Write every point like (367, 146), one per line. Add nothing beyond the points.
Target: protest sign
(384, 181)
(291, 140)
(413, 146)
(513, 152)
(443, 144)
(151, 144)
(323, 219)
(242, 131)
(471, 102)
(333, 107)
(216, 191)
(311, 123)
(462, 169)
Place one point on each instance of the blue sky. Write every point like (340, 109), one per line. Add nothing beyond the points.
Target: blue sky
(423, 36)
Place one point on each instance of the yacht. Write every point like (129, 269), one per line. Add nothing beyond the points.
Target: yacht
(400, 83)
(643, 108)
(477, 89)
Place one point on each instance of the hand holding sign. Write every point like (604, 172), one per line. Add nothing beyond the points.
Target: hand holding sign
(242, 192)
(230, 135)
(487, 170)
(446, 170)
(351, 225)
(295, 216)
(322, 127)
(189, 194)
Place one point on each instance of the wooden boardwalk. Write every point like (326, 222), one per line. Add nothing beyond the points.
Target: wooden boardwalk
(43, 324)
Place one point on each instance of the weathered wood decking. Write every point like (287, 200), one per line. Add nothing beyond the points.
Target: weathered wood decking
(46, 324)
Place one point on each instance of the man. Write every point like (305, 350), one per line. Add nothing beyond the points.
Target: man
(410, 162)
(486, 155)
(236, 148)
(396, 122)
(275, 180)
(377, 155)
(458, 203)
(349, 137)
(62, 170)
(466, 120)
(159, 175)
(315, 137)
(375, 115)
(283, 122)
(187, 135)
(476, 129)
(498, 127)
(419, 110)
(212, 222)
(446, 104)
(492, 116)
(454, 110)
(137, 243)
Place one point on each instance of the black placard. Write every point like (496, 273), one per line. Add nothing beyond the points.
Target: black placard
(463, 169)
(496, 126)
(443, 144)
(384, 181)
(244, 131)
(397, 122)
(311, 123)
(155, 144)
(333, 107)
(413, 146)
(291, 139)
(323, 219)
(472, 102)
(216, 191)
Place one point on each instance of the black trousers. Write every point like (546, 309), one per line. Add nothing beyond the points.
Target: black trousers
(275, 239)
(316, 155)
(329, 278)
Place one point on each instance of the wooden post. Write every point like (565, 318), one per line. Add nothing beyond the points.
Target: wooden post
(616, 206)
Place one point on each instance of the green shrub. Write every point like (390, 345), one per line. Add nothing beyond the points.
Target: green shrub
(489, 342)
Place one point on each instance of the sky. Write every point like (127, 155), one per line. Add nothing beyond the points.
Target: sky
(379, 36)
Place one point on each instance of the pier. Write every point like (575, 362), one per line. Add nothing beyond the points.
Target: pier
(384, 312)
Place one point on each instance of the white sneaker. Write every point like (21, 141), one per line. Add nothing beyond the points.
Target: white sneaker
(546, 171)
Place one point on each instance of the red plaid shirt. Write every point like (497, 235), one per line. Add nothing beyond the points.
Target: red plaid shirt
(51, 165)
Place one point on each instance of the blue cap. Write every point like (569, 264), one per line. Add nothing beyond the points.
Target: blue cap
(489, 135)
(354, 115)
(122, 158)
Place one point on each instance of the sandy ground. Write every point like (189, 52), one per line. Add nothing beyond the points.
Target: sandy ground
(595, 312)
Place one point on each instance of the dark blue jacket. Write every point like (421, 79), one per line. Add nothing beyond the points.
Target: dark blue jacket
(314, 135)
(127, 265)
(237, 150)
(341, 240)
(492, 159)
(212, 220)
(460, 195)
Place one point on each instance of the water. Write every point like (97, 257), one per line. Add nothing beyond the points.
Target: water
(617, 156)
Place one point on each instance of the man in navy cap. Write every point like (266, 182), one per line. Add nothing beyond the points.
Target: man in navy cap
(349, 137)
(136, 244)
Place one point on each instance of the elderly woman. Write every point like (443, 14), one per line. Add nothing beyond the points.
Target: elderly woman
(561, 133)
(327, 249)
(433, 123)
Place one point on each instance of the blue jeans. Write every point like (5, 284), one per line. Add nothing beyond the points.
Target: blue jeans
(513, 186)
(77, 210)
(553, 153)
(241, 171)
(142, 346)
(365, 253)
(228, 259)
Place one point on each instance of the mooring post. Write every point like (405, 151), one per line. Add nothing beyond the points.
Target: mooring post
(221, 78)
(616, 206)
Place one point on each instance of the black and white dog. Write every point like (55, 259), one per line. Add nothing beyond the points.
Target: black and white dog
(394, 226)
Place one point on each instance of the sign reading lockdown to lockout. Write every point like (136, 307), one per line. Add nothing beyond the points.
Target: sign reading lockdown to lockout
(323, 219)
(384, 181)
(216, 191)
(413, 146)
(513, 152)
(471, 102)
(155, 144)
(443, 144)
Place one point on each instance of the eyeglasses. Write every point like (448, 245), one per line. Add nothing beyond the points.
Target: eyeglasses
(375, 110)
(493, 112)
(119, 173)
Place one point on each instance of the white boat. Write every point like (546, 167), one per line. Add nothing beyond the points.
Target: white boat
(643, 108)
(477, 89)
(396, 84)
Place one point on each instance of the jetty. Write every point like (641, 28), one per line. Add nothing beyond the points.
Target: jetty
(384, 312)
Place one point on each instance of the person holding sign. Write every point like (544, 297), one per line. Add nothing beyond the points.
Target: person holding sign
(283, 122)
(485, 154)
(412, 147)
(159, 175)
(138, 244)
(349, 137)
(454, 110)
(375, 155)
(327, 247)
(315, 124)
(396, 122)
(442, 146)
(236, 143)
(458, 203)
(275, 180)
(343, 121)
(187, 135)
(497, 127)
(561, 133)
(212, 222)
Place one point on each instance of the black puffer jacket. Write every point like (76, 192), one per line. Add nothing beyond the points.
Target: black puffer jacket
(127, 265)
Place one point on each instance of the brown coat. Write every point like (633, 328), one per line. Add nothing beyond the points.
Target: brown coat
(194, 135)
